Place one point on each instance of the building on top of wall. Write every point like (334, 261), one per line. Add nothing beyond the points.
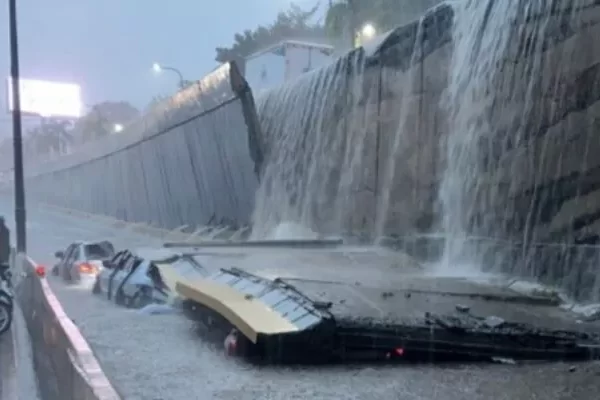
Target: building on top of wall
(286, 60)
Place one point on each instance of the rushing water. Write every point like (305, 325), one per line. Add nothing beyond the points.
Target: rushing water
(500, 189)
(314, 134)
(407, 90)
(481, 34)
(342, 143)
(460, 124)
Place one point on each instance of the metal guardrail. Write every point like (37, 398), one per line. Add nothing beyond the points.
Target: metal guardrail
(64, 363)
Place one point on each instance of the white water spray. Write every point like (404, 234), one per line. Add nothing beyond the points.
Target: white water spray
(480, 96)
(406, 106)
(316, 165)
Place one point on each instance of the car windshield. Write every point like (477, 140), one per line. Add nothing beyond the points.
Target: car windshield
(97, 252)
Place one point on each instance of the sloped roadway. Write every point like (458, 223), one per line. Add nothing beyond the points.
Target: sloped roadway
(160, 357)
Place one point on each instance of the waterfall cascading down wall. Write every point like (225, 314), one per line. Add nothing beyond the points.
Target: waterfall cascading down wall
(187, 162)
(520, 190)
(326, 137)
(477, 121)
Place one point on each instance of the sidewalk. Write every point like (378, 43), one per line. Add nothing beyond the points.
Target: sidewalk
(17, 376)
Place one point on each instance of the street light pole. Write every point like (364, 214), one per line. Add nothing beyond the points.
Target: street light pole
(179, 74)
(20, 215)
(158, 68)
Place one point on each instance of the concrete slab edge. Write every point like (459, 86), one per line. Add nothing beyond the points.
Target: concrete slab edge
(587, 311)
(138, 227)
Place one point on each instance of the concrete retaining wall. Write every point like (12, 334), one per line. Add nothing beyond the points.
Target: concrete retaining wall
(354, 146)
(361, 145)
(187, 162)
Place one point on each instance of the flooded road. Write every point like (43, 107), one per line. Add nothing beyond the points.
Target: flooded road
(161, 356)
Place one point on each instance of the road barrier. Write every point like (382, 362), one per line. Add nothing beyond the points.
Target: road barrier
(65, 366)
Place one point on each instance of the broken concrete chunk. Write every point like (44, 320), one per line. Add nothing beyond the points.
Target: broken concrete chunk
(493, 321)
(462, 308)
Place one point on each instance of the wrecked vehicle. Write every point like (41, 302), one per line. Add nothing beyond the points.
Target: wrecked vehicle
(279, 305)
(136, 278)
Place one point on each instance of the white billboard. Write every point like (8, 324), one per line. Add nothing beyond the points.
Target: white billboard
(47, 98)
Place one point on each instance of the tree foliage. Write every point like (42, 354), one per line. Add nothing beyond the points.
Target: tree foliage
(294, 23)
(52, 136)
(6, 154)
(156, 100)
(345, 15)
(342, 16)
(101, 120)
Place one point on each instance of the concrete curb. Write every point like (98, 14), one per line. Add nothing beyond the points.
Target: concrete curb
(174, 235)
(138, 227)
(88, 381)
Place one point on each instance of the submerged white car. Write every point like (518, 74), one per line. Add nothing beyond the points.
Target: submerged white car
(82, 261)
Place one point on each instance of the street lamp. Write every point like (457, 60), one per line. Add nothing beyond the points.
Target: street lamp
(363, 35)
(368, 31)
(20, 215)
(158, 68)
(118, 128)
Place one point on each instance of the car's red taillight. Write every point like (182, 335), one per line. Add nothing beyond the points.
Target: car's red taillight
(231, 343)
(87, 268)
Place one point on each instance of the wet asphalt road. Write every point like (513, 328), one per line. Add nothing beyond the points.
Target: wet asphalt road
(209, 375)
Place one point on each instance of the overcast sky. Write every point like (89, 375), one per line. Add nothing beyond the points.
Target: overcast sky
(108, 46)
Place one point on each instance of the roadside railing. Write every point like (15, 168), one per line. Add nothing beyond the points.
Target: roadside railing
(65, 366)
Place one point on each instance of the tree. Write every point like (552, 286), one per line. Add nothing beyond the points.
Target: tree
(6, 154)
(293, 23)
(102, 119)
(186, 83)
(52, 136)
(346, 16)
(338, 17)
(156, 100)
